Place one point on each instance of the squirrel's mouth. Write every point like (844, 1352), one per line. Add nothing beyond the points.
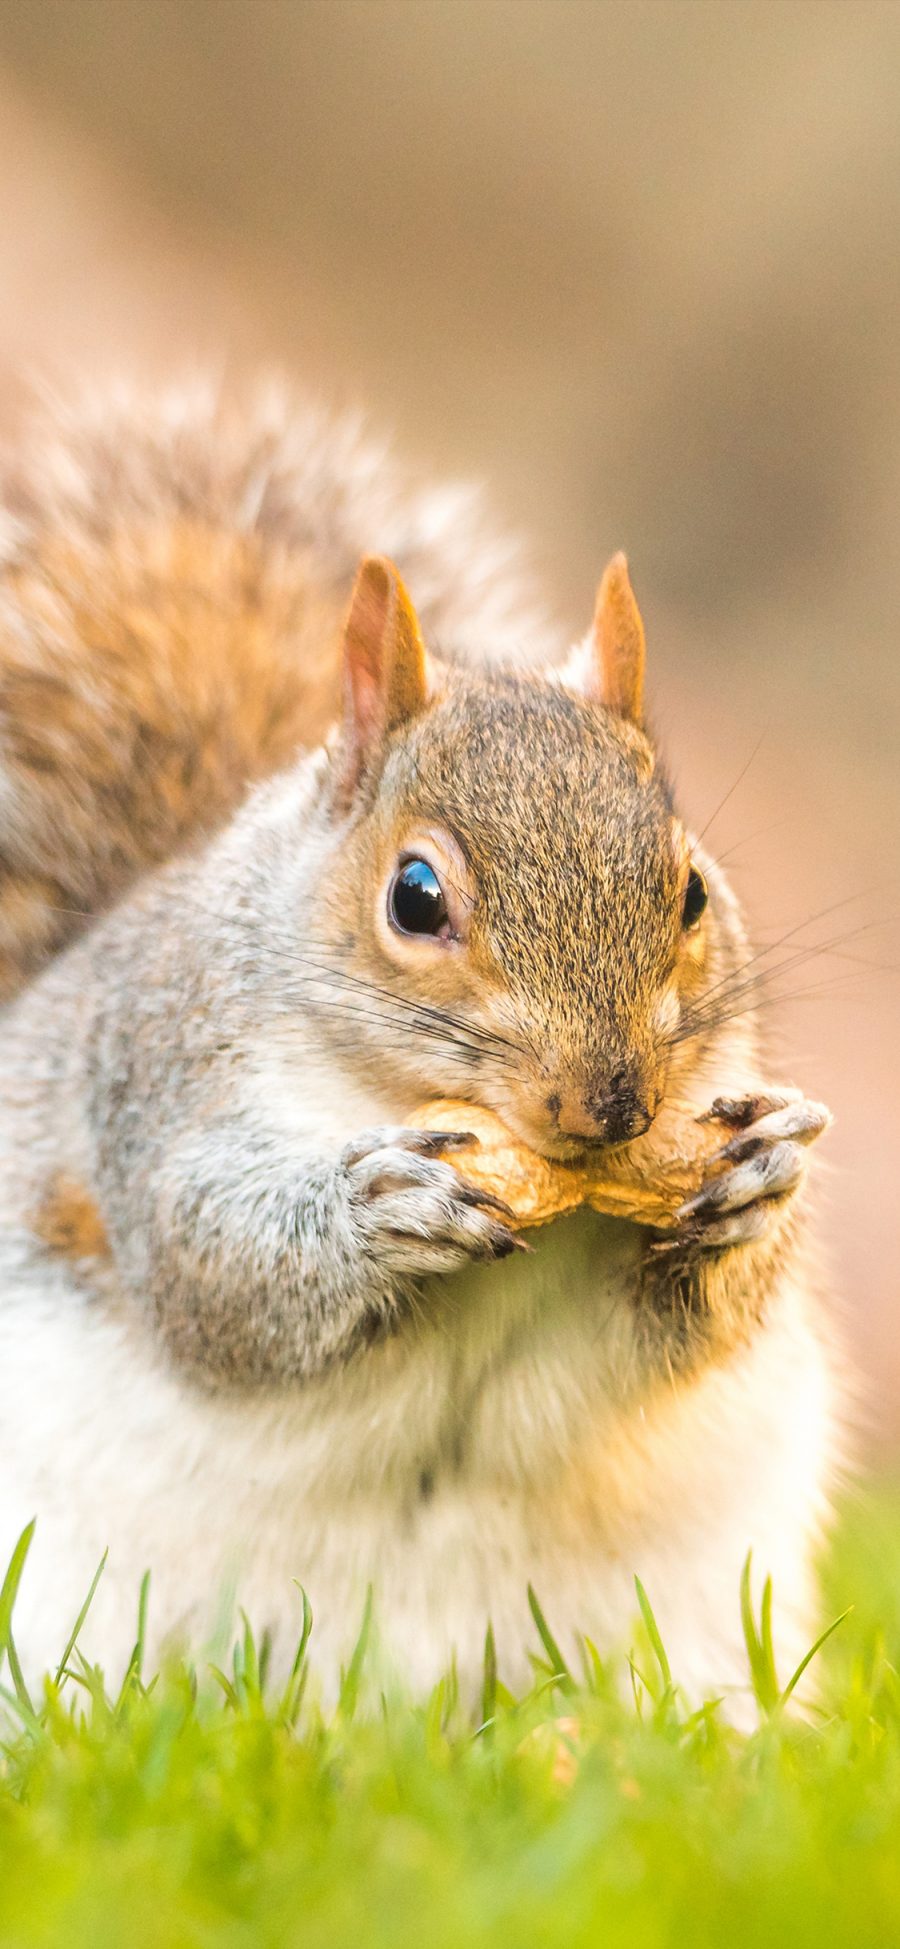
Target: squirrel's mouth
(542, 1133)
(580, 1150)
(548, 1141)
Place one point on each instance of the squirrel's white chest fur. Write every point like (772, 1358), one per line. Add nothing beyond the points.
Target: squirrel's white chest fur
(501, 1439)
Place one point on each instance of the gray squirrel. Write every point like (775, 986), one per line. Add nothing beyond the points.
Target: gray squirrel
(281, 858)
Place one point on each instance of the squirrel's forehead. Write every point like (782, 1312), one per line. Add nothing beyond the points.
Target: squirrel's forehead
(560, 849)
(539, 775)
(529, 739)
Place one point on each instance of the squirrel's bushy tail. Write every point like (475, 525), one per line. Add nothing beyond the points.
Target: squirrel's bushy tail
(172, 574)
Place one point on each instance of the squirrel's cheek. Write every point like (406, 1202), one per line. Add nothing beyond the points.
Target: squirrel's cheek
(668, 1013)
(693, 960)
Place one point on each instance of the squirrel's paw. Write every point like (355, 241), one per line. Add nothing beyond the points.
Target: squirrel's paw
(753, 1174)
(415, 1213)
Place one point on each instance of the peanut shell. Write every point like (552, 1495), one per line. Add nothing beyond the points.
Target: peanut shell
(646, 1182)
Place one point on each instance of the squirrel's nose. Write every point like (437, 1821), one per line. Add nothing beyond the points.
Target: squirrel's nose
(611, 1112)
(625, 1120)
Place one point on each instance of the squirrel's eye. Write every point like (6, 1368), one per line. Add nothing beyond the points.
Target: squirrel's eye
(696, 895)
(417, 905)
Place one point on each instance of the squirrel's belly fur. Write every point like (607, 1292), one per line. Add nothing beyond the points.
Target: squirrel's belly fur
(247, 1333)
(509, 1433)
(448, 1472)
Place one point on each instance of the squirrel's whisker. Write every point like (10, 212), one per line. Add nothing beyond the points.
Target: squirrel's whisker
(732, 986)
(451, 1046)
(782, 940)
(761, 832)
(416, 1009)
(404, 1024)
(738, 781)
(761, 998)
(401, 1001)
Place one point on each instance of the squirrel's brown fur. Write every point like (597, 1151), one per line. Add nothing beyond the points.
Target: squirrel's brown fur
(191, 692)
(172, 579)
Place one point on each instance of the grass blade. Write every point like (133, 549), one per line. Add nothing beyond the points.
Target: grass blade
(349, 1691)
(759, 1644)
(557, 1661)
(305, 1631)
(16, 1673)
(765, 1632)
(489, 1681)
(140, 1643)
(75, 1632)
(653, 1633)
(809, 1656)
(223, 1679)
(10, 1586)
(250, 1665)
(19, 1709)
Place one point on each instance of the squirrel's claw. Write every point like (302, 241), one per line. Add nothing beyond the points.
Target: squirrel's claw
(770, 1171)
(799, 1122)
(753, 1174)
(416, 1213)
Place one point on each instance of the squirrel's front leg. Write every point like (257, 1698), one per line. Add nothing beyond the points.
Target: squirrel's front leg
(713, 1274)
(260, 1267)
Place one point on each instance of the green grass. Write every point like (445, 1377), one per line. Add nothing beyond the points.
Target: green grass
(203, 1809)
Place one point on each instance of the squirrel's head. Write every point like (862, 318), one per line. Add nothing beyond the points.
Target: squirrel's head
(512, 905)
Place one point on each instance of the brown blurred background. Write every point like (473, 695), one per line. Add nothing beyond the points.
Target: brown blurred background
(637, 264)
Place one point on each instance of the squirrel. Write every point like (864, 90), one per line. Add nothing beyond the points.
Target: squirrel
(281, 858)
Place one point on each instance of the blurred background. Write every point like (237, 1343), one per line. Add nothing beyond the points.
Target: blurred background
(636, 264)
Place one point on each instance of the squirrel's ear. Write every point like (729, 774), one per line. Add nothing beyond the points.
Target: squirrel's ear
(618, 643)
(384, 667)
